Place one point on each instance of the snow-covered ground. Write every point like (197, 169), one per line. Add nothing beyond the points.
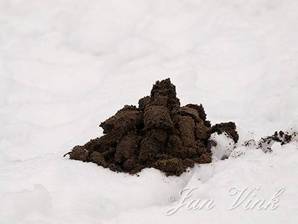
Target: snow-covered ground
(67, 65)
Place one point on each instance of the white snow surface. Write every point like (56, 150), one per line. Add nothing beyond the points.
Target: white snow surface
(67, 65)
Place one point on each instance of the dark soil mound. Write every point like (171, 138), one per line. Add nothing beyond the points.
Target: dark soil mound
(158, 133)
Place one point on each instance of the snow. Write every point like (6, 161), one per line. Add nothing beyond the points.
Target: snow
(223, 148)
(67, 65)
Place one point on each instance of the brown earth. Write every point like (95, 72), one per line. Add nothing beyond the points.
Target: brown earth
(159, 133)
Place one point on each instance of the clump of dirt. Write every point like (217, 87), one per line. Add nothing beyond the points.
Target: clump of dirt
(266, 143)
(159, 133)
(279, 136)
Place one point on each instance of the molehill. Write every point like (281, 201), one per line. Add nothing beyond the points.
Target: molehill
(159, 133)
